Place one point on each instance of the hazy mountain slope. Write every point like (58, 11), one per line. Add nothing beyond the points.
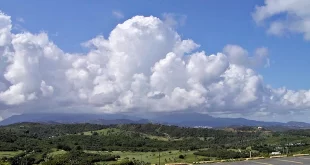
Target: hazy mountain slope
(180, 119)
(64, 118)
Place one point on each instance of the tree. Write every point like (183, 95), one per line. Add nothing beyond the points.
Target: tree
(78, 148)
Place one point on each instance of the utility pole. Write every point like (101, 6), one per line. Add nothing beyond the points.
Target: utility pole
(250, 150)
(250, 153)
(287, 147)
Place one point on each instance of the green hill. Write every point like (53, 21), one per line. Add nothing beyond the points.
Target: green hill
(41, 143)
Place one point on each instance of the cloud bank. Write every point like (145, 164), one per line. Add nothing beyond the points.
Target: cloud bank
(296, 17)
(142, 66)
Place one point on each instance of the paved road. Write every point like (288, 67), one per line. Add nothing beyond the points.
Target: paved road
(272, 161)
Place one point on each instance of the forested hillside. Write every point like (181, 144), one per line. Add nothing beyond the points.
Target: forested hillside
(57, 143)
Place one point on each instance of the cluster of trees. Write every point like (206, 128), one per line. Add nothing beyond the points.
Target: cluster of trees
(37, 130)
(70, 158)
(79, 157)
(122, 142)
(302, 133)
(35, 136)
(27, 159)
(263, 148)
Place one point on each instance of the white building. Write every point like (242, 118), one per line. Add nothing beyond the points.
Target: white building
(276, 153)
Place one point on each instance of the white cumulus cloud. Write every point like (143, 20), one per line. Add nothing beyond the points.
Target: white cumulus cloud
(239, 56)
(296, 17)
(174, 20)
(143, 65)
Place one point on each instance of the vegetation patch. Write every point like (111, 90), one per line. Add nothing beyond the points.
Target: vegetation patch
(106, 131)
(56, 152)
(9, 154)
(154, 157)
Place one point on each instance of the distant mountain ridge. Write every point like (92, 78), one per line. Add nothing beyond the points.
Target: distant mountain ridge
(64, 118)
(118, 121)
(179, 119)
(197, 119)
(204, 120)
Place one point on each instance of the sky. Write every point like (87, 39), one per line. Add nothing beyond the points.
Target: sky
(224, 58)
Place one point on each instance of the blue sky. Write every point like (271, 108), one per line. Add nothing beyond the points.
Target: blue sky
(212, 24)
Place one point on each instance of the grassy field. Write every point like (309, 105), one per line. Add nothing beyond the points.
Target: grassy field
(153, 157)
(9, 154)
(156, 137)
(56, 153)
(104, 131)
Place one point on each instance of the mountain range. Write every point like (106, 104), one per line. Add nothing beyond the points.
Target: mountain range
(179, 119)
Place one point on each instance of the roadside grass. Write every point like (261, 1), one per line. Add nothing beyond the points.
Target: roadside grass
(9, 154)
(153, 157)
